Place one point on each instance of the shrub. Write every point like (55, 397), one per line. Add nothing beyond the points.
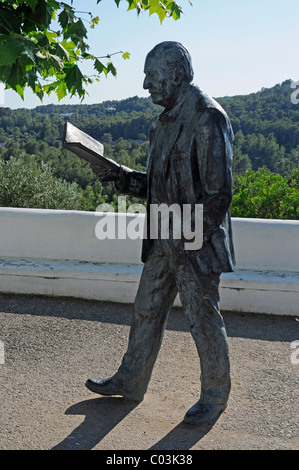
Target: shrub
(24, 183)
(267, 195)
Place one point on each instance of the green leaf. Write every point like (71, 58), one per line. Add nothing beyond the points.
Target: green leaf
(176, 10)
(111, 69)
(20, 90)
(51, 36)
(31, 79)
(32, 4)
(42, 15)
(42, 40)
(17, 79)
(94, 21)
(27, 60)
(66, 17)
(157, 7)
(61, 90)
(4, 73)
(76, 31)
(10, 49)
(126, 55)
(74, 79)
(50, 87)
(17, 76)
(28, 54)
(133, 5)
(38, 91)
(63, 19)
(100, 67)
(69, 46)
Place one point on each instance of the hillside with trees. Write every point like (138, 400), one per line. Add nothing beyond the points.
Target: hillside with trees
(266, 127)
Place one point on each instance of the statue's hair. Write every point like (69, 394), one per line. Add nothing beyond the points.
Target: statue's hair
(174, 55)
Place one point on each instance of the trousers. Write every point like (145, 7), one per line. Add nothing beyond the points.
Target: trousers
(163, 276)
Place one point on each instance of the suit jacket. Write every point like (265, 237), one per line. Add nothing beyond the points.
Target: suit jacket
(194, 144)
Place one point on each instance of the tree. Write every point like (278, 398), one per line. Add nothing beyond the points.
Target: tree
(35, 56)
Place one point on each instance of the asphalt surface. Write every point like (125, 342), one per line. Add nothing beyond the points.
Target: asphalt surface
(53, 345)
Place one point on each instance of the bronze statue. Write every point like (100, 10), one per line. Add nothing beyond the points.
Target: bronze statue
(189, 162)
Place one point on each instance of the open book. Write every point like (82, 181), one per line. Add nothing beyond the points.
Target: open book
(86, 147)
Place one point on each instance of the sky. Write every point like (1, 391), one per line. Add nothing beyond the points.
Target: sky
(237, 47)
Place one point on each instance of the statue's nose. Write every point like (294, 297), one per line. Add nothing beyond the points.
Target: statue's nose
(146, 83)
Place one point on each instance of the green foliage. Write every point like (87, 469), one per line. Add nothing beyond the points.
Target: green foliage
(33, 55)
(24, 183)
(263, 194)
(266, 129)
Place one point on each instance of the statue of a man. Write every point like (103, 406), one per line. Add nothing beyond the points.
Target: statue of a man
(189, 162)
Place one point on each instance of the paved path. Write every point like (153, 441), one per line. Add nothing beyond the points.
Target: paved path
(53, 345)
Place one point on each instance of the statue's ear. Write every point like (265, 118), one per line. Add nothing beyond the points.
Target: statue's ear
(179, 75)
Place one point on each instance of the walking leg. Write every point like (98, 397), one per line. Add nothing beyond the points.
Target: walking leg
(154, 300)
(200, 300)
(156, 294)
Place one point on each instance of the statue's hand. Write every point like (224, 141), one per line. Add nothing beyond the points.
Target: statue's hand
(105, 175)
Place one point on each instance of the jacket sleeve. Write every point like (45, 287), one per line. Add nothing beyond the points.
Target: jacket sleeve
(132, 183)
(214, 151)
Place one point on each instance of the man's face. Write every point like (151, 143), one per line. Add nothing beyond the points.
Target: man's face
(159, 82)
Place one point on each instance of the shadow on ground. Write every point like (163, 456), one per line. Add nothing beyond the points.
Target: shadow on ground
(101, 416)
(105, 413)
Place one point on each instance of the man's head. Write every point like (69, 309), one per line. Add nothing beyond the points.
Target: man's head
(167, 68)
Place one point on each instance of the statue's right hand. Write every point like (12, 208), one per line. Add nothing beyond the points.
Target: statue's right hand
(104, 174)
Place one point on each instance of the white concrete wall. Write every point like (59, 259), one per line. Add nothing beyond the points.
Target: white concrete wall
(55, 252)
(62, 235)
(263, 244)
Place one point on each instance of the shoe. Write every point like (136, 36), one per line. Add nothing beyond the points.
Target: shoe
(106, 387)
(204, 412)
